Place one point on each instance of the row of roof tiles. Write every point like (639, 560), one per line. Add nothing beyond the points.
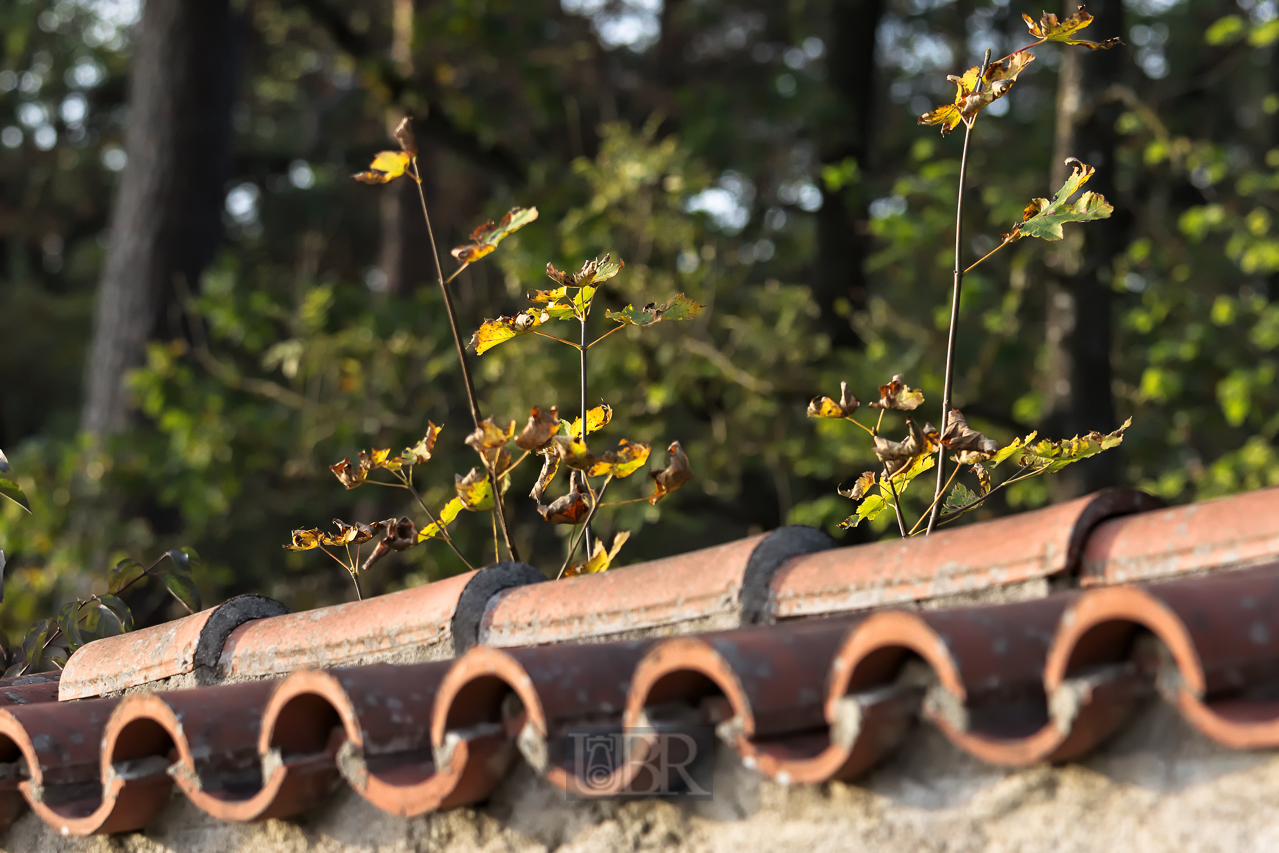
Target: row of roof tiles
(802, 700)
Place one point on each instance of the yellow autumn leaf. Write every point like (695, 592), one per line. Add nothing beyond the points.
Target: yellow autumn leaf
(600, 559)
(386, 167)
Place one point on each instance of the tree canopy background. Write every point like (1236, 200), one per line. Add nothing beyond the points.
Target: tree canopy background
(271, 316)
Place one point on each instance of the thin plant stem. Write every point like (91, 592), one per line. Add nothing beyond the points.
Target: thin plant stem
(552, 337)
(974, 264)
(586, 527)
(605, 335)
(897, 507)
(497, 555)
(355, 579)
(935, 512)
(448, 301)
(444, 531)
(461, 356)
(954, 472)
(624, 503)
(573, 547)
(869, 431)
(953, 514)
(878, 423)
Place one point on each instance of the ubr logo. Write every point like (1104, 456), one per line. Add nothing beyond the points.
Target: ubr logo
(670, 762)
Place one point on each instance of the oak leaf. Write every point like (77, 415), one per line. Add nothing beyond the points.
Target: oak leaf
(623, 462)
(860, 488)
(485, 238)
(386, 167)
(995, 83)
(443, 519)
(896, 394)
(1050, 28)
(550, 464)
(1043, 218)
(474, 490)
(678, 307)
(1052, 456)
(968, 445)
(403, 134)
(897, 456)
(592, 273)
(825, 407)
(400, 535)
(600, 559)
(596, 419)
(502, 329)
(542, 426)
(421, 452)
(676, 473)
(572, 508)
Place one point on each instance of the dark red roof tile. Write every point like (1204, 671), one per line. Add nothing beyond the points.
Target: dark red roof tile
(968, 559)
(803, 701)
(1228, 533)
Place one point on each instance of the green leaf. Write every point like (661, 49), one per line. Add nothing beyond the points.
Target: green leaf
(485, 238)
(68, 621)
(106, 616)
(1052, 456)
(33, 643)
(1043, 218)
(183, 557)
(678, 307)
(184, 590)
(12, 491)
(961, 496)
(1014, 446)
(124, 573)
(868, 510)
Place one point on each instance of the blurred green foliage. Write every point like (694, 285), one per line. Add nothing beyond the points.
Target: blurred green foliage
(684, 141)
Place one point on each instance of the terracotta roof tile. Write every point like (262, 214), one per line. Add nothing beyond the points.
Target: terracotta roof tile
(718, 587)
(428, 622)
(1228, 533)
(803, 701)
(173, 649)
(969, 559)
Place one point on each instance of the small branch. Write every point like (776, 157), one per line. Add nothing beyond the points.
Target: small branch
(355, 579)
(954, 310)
(457, 272)
(878, 423)
(444, 531)
(1007, 240)
(561, 340)
(586, 527)
(897, 507)
(448, 302)
(461, 356)
(605, 335)
(936, 498)
(497, 555)
(954, 514)
(853, 420)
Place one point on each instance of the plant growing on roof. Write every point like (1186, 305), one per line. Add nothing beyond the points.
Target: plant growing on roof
(904, 460)
(556, 442)
(49, 642)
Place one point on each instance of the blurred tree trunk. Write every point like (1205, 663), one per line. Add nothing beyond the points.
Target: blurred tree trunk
(839, 283)
(396, 198)
(166, 219)
(1079, 397)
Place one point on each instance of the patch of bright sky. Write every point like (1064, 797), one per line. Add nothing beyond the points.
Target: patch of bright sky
(634, 24)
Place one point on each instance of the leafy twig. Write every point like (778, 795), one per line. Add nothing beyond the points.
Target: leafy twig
(954, 307)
